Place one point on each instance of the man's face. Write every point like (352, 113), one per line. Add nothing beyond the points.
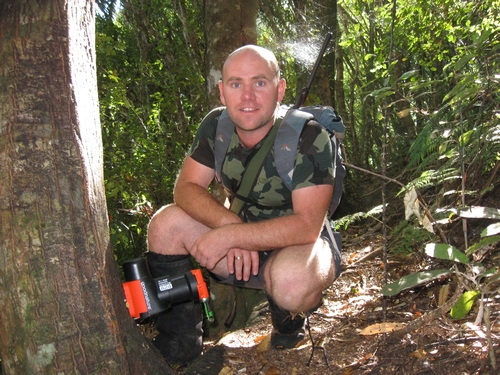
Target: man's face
(250, 90)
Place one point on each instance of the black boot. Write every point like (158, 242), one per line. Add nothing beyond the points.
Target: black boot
(288, 329)
(180, 337)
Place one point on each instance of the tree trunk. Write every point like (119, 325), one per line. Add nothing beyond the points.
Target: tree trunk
(228, 25)
(61, 299)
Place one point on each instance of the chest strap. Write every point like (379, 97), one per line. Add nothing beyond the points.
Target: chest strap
(252, 170)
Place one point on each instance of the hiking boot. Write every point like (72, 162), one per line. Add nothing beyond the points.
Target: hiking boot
(283, 341)
(180, 333)
(288, 330)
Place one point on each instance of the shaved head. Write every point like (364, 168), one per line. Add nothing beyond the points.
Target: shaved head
(254, 50)
(251, 89)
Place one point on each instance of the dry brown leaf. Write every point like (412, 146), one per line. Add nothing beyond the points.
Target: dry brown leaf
(495, 327)
(264, 344)
(375, 329)
(419, 353)
(226, 371)
(348, 371)
(366, 358)
(301, 342)
(259, 339)
(272, 371)
(443, 294)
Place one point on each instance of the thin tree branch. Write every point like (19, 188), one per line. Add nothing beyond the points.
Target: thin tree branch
(427, 318)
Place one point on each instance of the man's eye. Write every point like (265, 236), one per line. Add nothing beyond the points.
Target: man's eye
(236, 85)
(260, 83)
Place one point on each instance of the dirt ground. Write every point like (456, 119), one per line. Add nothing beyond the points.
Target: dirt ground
(354, 302)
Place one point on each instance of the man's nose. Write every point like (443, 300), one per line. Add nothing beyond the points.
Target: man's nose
(248, 92)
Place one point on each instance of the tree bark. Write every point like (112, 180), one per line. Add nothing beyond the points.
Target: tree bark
(61, 299)
(223, 35)
(228, 25)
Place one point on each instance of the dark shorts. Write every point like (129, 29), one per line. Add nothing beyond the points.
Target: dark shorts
(257, 282)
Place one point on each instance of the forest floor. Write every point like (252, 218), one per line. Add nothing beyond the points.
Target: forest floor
(354, 302)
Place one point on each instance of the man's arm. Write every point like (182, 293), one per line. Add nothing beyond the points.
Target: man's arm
(191, 194)
(310, 205)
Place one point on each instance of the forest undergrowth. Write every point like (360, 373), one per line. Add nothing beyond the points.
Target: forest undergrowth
(346, 334)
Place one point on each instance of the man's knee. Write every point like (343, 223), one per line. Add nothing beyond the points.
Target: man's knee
(162, 229)
(293, 292)
(297, 285)
(298, 303)
(159, 220)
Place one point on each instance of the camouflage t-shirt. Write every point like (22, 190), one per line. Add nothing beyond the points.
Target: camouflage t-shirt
(270, 197)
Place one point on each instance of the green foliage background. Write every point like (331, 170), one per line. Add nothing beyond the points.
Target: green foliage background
(427, 74)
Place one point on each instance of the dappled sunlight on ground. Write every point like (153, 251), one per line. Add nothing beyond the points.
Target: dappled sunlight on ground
(353, 303)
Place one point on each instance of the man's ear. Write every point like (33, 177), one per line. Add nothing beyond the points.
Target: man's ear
(221, 93)
(281, 89)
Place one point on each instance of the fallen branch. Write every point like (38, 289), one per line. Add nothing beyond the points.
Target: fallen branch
(427, 318)
(368, 256)
(373, 173)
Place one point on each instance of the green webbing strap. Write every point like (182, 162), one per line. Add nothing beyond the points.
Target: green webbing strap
(253, 169)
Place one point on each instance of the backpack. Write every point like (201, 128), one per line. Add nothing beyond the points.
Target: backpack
(286, 143)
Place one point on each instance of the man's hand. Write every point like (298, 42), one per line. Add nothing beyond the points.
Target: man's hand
(243, 263)
(210, 248)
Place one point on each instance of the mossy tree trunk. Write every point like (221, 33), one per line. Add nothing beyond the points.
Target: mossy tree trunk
(228, 25)
(61, 300)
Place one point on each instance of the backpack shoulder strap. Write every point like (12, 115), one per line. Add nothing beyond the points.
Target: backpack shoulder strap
(339, 174)
(332, 122)
(287, 141)
(223, 135)
(252, 171)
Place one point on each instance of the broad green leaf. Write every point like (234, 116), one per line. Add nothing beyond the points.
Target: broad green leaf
(485, 34)
(369, 56)
(409, 74)
(490, 272)
(459, 89)
(462, 61)
(450, 154)
(476, 212)
(491, 230)
(465, 93)
(482, 243)
(381, 93)
(443, 147)
(442, 251)
(412, 280)
(464, 304)
(465, 138)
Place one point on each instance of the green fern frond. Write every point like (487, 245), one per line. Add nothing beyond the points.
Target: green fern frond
(430, 178)
(345, 221)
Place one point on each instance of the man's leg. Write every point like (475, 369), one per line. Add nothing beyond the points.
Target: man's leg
(180, 333)
(295, 278)
(170, 232)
